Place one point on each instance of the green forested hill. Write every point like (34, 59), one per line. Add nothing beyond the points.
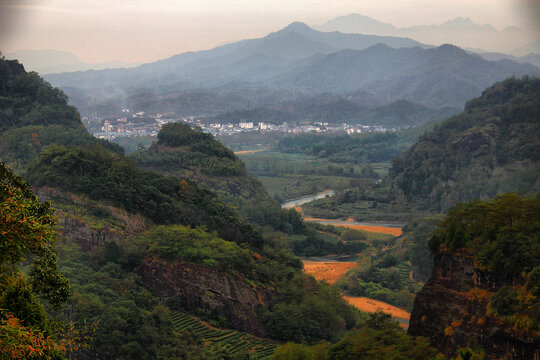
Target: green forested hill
(114, 179)
(484, 290)
(33, 115)
(188, 153)
(491, 148)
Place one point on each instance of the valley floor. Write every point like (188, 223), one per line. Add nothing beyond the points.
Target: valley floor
(332, 271)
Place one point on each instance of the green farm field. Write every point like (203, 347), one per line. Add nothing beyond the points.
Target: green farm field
(231, 342)
(286, 176)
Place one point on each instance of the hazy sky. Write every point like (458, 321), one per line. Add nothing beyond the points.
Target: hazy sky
(142, 31)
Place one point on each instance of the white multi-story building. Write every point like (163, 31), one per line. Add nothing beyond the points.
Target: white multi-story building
(106, 126)
(246, 125)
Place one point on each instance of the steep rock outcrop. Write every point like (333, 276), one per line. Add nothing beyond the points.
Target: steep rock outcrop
(198, 287)
(452, 310)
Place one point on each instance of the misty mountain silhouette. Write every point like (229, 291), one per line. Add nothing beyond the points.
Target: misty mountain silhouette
(302, 60)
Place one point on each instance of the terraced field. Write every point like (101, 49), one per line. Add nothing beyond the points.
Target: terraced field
(229, 341)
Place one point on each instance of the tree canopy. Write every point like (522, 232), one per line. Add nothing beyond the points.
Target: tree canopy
(27, 235)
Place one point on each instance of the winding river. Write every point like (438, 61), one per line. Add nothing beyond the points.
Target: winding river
(292, 203)
(380, 227)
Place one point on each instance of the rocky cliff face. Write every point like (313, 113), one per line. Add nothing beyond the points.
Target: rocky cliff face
(452, 310)
(197, 287)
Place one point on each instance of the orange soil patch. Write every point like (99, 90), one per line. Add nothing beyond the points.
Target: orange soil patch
(329, 271)
(248, 151)
(298, 209)
(369, 305)
(377, 229)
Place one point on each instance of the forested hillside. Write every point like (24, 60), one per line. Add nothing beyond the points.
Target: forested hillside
(141, 240)
(186, 153)
(485, 286)
(34, 115)
(189, 153)
(123, 227)
(491, 148)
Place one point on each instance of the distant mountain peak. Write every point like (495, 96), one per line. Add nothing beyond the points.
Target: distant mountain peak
(296, 26)
(378, 47)
(48, 61)
(356, 23)
(451, 48)
(357, 16)
(460, 21)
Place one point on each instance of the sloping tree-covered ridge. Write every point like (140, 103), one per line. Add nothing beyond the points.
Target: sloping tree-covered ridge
(504, 237)
(493, 147)
(102, 175)
(27, 234)
(34, 115)
(379, 338)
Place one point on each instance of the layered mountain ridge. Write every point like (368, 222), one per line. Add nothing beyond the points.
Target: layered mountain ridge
(295, 64)
(460, 31)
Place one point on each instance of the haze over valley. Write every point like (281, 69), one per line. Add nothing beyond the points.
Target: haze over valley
(297, 74)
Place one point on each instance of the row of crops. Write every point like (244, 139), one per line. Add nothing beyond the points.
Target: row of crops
(228, 341)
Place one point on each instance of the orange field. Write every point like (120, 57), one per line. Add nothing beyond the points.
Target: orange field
(241, 152)
(333, 271)
(369, 305)
(377, 229)
(329, 271)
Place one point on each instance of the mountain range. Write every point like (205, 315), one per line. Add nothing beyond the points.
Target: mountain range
(442, 76)
(49, 61)
(246, 60)
(459, 31)
(295, 64)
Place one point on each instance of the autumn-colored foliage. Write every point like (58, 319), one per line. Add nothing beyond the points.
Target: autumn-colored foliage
(21, 342)
(27, 234)
(26, 225)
